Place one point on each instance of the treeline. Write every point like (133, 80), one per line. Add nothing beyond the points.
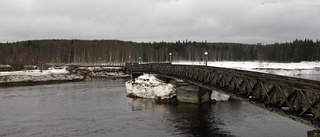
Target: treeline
(100, 51)
(295, 51)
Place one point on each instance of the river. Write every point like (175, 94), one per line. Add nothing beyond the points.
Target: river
(100, 108)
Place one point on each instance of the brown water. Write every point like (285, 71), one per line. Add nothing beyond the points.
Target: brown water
(101, 108)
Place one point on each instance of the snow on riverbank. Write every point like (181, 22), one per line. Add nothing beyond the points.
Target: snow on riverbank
(286, 69)
(256, 64)
(148, 86)
(63, 73)
(52, 74)
(101, 68)
(309, 70)
(106, 72)
(50, 71)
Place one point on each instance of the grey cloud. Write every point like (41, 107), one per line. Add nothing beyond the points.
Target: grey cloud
(247, 21)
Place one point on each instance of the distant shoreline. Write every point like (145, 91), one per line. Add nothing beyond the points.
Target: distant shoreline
(54, 75)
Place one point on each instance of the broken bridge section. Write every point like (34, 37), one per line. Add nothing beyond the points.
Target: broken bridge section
(294, 98)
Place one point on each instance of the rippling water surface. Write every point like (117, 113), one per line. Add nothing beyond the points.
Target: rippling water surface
(101, 108)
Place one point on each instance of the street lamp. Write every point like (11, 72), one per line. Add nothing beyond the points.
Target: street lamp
(129, 58)
(206, 57)
(139, 59)
(170, 55)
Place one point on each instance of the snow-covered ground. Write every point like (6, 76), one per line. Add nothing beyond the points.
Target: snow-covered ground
(256, 64)
(286, 69)
(57, 73)
(50, 71)
(100, 68)
(106, 71)
(52, 74)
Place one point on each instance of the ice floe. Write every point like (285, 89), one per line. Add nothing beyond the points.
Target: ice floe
(148, 86)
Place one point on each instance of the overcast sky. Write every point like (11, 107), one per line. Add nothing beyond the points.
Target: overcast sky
(244, 21)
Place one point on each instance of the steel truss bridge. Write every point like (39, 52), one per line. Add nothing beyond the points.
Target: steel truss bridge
(294, 98)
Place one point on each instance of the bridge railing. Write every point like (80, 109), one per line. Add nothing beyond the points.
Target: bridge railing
(294, 98)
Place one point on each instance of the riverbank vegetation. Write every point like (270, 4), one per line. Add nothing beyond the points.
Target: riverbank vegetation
(99, 51)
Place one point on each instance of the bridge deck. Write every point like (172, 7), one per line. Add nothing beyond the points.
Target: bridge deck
(297, 99)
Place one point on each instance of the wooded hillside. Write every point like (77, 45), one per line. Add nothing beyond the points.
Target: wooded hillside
(99, 51)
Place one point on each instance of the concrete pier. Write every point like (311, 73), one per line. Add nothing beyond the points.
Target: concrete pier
(189, 93)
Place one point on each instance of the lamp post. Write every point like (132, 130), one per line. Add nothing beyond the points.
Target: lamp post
(206, 57)
(170, 59)
(129, 59)
(139, 59)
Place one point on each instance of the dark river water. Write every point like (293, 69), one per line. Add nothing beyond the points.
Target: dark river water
(100, 108)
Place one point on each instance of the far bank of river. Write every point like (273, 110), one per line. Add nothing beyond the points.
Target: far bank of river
(56, 74)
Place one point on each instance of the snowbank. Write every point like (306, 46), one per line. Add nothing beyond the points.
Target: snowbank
(148, 86)
(52, 74)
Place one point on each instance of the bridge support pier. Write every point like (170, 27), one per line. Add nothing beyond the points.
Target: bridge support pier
(189, 93)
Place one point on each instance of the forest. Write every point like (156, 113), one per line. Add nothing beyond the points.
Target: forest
(102, 51)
